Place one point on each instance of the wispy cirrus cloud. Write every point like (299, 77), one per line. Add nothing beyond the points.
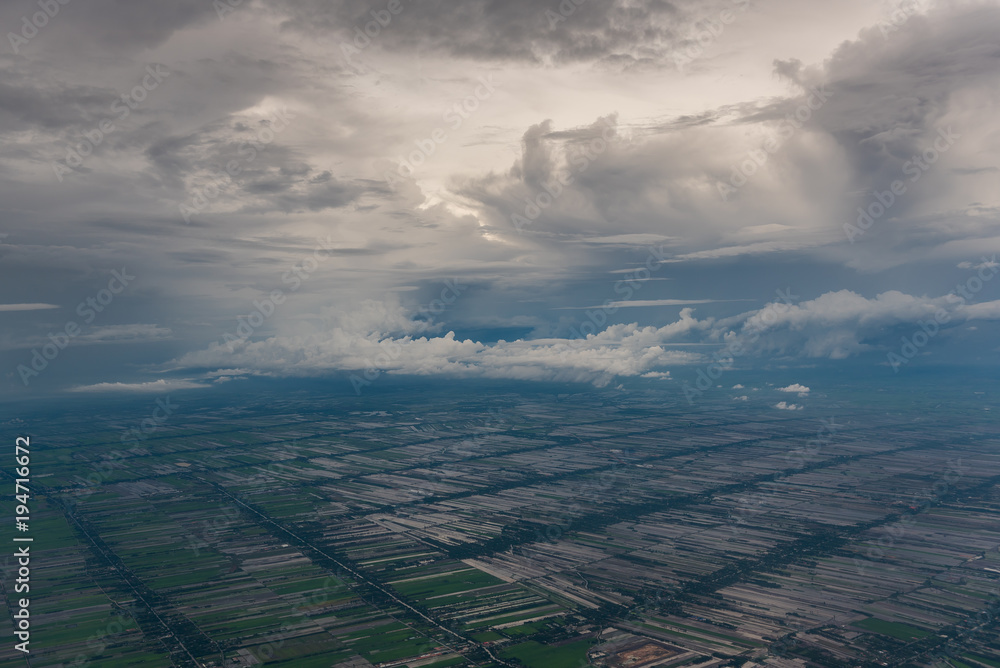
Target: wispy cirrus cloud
(155, 386)
(653, 302)
(27, 307)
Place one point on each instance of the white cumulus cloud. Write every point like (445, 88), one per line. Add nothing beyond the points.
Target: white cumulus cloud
(160, 385)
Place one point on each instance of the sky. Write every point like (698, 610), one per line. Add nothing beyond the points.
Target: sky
(198, 193)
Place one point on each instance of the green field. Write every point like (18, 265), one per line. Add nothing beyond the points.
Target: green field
(536, 655)
(981, 659)
(525, 629)
(892, 629)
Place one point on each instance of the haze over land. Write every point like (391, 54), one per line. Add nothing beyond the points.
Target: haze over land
(517, 524)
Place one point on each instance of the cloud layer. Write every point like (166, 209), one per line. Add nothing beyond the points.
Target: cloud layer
(833, 326)
(521, 175)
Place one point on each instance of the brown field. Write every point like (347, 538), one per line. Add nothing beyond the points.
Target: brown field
(642, 655)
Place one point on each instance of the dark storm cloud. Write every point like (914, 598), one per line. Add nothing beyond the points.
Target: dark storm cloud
(617, 31)
(889, 93)
(874, 105)
(27, 102)
(628, 162)
(964, 171)
(271, 177)
(201, 257)
(139, 24)
(295, 194)
(592, 179)
(100, 27)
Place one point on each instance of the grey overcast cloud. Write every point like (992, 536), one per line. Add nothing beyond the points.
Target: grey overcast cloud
(201, 192)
